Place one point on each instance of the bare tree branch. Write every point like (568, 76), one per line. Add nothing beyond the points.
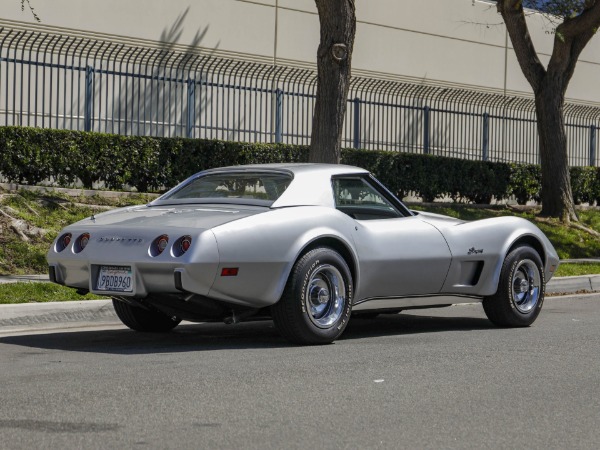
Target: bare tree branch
(514, 18)
(33, 13)
(580, 21)
(588, 20)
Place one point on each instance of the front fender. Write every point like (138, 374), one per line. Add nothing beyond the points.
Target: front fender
(487, 242)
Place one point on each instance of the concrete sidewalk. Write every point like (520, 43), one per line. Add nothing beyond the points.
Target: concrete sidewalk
(14, 318)
(53, 315)
(573, 285)
(23, 278)
(27, 316)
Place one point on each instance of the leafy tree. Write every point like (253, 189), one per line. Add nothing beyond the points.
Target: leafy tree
(576, 23)
(337, 20)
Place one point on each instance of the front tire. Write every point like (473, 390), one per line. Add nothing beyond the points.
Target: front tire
(317, 301)
(140, 319)
(520, 295)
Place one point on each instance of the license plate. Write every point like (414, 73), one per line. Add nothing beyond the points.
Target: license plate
(115, 279)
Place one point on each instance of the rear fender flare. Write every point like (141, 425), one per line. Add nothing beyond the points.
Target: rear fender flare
(324, 238)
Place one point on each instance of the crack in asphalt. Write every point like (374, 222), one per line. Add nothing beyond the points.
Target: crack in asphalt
(58, 427)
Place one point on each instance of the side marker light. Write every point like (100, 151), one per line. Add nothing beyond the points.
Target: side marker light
(229, 272)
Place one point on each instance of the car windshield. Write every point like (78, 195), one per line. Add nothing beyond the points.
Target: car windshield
(228, 187)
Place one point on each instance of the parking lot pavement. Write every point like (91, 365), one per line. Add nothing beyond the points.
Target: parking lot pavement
(438, 378)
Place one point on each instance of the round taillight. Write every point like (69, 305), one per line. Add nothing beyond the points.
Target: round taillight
(181, 246)
(63, 242)
(159, 245)
(81, 242)
(186, 243)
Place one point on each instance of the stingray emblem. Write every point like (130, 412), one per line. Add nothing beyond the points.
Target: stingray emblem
(474, 251)
(123, 240)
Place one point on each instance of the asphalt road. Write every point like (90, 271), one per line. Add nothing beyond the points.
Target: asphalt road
(434, 379)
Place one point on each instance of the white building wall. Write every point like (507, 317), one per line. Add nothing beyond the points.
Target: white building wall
(460, 43)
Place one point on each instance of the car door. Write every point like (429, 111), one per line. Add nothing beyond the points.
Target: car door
(399, 254)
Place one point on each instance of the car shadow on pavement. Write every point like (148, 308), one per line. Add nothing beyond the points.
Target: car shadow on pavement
(413, 323)
(218, 336)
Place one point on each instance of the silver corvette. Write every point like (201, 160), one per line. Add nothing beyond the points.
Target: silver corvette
(307, 245)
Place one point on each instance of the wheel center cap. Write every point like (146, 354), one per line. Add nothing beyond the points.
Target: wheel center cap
(323, 296)
(523, 286)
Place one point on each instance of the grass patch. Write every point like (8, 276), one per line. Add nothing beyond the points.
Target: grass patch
(570, 270)
(570, 242)
(50, 212)
(12, 293)
(44, 214)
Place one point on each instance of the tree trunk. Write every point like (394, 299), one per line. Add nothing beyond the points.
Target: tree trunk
(557, 196)
(337, 20)
(581, 21)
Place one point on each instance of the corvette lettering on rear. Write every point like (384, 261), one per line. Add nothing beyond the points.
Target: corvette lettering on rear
(124, 240)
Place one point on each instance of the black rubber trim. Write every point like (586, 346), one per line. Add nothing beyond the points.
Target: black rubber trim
(52, 275)
(178, 283)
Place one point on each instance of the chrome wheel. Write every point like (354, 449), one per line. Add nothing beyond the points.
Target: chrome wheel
(526, 286)
(316, 304)
(325, 296)
(520, 295)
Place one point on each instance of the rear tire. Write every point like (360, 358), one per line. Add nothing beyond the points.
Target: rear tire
(520, 295)
(140, 319)
(317, 301)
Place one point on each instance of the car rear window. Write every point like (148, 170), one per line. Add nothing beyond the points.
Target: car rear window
(247, 185)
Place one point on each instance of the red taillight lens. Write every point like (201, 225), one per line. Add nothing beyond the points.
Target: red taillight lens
(63, 242)
(181, 246)
(186, 243)
(159, 245)
(81, 242)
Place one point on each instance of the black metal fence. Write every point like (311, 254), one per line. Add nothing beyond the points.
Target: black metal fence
(63, 82)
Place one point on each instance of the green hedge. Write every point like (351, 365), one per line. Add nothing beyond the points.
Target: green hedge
(32, 155)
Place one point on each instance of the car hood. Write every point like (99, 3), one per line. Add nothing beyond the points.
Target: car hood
(188, 216)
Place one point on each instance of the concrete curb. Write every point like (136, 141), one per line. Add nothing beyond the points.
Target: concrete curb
(572, 285)
(24, 316)
(23, 278)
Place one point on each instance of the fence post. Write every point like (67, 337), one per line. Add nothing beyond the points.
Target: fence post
(278, 116)
(486, 137)
(426, 149)
(191, 108)
(356, 122)
(593, 145)
(89, 98)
